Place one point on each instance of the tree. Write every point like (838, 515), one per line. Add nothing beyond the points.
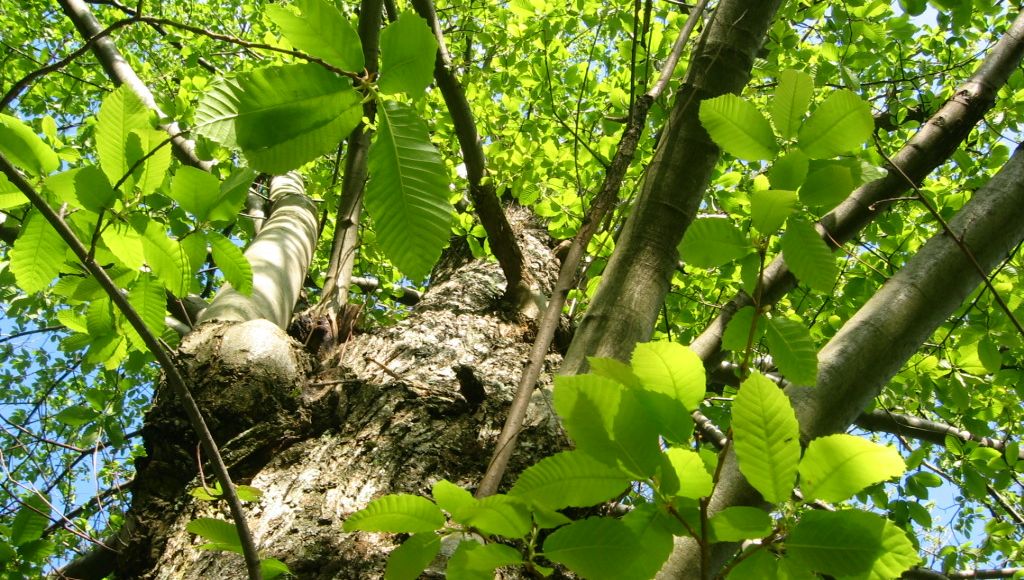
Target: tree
(547, 188)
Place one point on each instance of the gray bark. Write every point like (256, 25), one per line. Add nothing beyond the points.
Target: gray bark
(280, 257)
(872, 346)
(393, 410)
(633, 286)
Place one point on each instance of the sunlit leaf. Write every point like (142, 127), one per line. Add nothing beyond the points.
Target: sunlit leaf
(37, 255)
(792, 97)
(850, 543)
(808, 257)
(407, 52)
(738, 127)
(793, 349)
(320, 30)
(836, 467)
(25, 150)
(766, 437)
(712, 242)
(396, 513)
(840, 124)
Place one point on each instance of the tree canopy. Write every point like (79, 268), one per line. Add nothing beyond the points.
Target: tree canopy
(788, 235)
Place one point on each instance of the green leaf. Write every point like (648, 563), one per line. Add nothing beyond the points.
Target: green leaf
(808, 257)
(409, 560)
(10, 195)
(221, 534)
(827, 186)
(233, 193)
(738, 128)
(712, 242)
(125, 244)
(120, 114)
(92, 189)
(653, 528)
(20, 144)
(31, 519)
(850, 544)
(141, 142)
(196, 250)
(99, 317)
(37, 255)
(769, 209)
(72, 320)
(407, 53)
(195, 191)
(148, 299)
(837, 467)
(766, 438)
(672, 369)
(450, 497)
(789, 171)
(167, 259)
(397, 513)
(793, 350)
(320, 30)
(232, 262)
(474, 561)
(737, 332)
(248, 493)
(792, 97)
(615, 370)
(683, 474)
(569, 479)
(280, 117)
(272, 568)
(609, 422)
(596, 548)
(841, 124)
(737, 523)
(500, 515)
(407, 195)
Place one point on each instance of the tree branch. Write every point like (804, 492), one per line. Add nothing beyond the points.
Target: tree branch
(481, 190)
(923, 429)
(603, 202)
(173, 377)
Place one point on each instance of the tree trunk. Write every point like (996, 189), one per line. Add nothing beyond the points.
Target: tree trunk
(392, 410)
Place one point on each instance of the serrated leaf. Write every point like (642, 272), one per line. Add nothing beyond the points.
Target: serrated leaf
(840, 124)
(450, 497)
(397, 513)
(654, 528)
(569, 479)
(154, 144)
(167, 259)
(808, 257)
(499, 515)
(837, 467)
(125, 244)
(850, 544)
(672, 369)
(827, 186)
(609, 422)
(712, 242)
(792, 97)
(770, 208)
(232, 262)
(615, 370)
(280, 117)
(92, 189)
(320, 30)
(233, 192)
(121, 113)
(409, 560)
(683, 474)
(407, 195)
(72, 320)
(474, 561)
(10, 195)
(20, 144)
(31, 519)
(793, 350)
(737, 523)
(195, 191)
(766, 438)
(148, 299)
(596, 548)
(738, 128)
(218, 532)
(99, 317)
(196, 250)
(737, 332)
(789, 171)
(37, 255)
(407, 53)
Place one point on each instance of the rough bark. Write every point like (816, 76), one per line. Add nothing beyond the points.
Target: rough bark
(633, 286)
(873, 345)
(393, 410)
